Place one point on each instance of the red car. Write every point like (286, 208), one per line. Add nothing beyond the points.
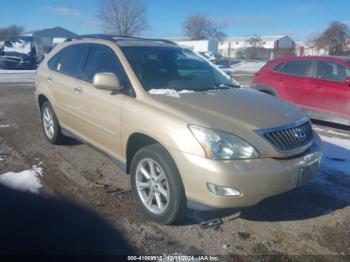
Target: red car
(318, 84)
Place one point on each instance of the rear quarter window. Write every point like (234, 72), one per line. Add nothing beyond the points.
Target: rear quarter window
(328, 70)
(52, 64)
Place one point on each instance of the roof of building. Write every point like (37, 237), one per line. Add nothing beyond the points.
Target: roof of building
(263, 38)
(52, 32)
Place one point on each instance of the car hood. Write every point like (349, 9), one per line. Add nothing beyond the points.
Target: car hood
(229, 110)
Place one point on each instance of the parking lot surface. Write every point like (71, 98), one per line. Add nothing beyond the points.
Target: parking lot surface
(311, 220)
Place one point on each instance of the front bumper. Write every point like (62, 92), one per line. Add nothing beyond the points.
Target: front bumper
(256, 179)
(17, 63)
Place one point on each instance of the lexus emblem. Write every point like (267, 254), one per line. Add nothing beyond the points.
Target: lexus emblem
(299, 134)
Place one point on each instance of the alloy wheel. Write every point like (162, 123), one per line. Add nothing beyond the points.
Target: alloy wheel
(48, 121)
(152, 186)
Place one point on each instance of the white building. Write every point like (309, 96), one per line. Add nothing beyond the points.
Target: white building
(230, 47)
(309, 49)
(200, 45)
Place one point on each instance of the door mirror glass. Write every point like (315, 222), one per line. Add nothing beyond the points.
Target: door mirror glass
(347, 81)
(106, 81)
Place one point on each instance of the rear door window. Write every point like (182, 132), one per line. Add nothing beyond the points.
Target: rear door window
(332, 71)
(297, 68)
(71, 60)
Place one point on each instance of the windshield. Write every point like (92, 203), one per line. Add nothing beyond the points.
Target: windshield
(18, 44)
(174, 68)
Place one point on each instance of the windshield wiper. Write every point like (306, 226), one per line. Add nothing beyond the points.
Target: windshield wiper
(220, 86)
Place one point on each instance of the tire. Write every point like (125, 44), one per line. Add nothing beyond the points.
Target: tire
(50, 125)
(175, 205)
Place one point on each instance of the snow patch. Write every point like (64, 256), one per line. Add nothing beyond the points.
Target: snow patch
(344, 143)
(17, 76)
(19, 72)
(169, 92)
(246, 66)
(27, 180)
(330, 132)
(8, 125)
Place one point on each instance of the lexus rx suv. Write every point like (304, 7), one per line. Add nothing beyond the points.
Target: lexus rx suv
(320, 85)
(188, 137)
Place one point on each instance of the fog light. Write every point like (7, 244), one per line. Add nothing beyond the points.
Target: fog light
(223, 191)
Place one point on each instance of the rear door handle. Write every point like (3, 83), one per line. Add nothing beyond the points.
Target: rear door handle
(49, 79)
(78, 90)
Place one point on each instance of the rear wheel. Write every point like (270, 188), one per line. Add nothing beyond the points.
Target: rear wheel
(157, 185)
(50, 125)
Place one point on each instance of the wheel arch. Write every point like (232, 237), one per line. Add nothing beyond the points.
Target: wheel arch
(135, 142)
(41, 100)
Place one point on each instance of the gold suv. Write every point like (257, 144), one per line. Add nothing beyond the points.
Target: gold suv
(184, 132)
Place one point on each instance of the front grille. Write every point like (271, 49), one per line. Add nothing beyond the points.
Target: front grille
(290, 138)
(13, 59)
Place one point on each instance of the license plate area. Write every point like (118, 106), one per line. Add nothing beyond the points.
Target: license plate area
(307, 172)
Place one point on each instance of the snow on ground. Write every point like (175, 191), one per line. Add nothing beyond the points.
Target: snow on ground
(169, 92)
(2, 125)
(247, 67)
(17, 76)
(27, 180)
(336, 154)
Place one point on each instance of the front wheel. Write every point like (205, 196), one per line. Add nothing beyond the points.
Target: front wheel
(157, 185)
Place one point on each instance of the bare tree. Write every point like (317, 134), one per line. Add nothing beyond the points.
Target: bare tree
(123, 17)
(10, 30)
(253, 48)
(200, 26)
(333, 39)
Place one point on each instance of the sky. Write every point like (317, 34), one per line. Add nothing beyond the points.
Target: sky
(299, 19)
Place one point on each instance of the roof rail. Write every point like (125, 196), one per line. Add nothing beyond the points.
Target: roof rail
(116, 38)
(97, 36)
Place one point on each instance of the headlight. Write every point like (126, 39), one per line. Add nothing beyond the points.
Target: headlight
(223, 146)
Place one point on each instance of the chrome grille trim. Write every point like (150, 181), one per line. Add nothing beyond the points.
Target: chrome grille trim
(289, 138)
(13, 59)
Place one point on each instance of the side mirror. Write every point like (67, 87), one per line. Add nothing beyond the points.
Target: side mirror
(347, 81)
(106, 81)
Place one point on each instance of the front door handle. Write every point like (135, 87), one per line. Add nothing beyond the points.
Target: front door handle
(49, 79)
(78, 90)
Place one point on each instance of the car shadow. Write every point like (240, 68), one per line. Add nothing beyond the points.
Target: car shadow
(69, 141)
(328, 191)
